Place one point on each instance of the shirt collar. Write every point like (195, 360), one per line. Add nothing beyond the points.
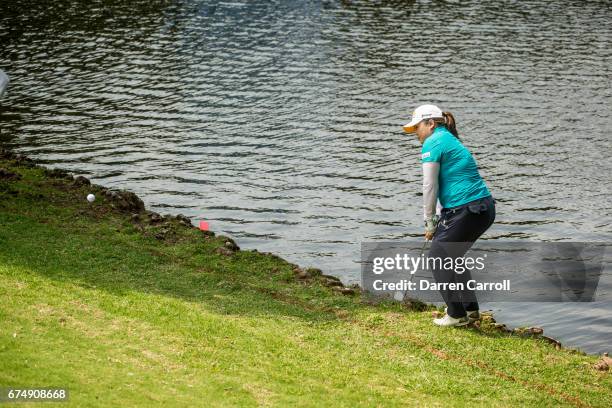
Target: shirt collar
(439, 130)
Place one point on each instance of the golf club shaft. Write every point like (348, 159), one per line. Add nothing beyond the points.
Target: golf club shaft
(412, 274)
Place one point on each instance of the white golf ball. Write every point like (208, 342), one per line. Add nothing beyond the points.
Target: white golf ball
(91, 198)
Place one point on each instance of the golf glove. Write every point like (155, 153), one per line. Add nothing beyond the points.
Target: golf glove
(431, 223)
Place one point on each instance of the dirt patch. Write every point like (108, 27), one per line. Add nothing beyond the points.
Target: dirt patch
(604, 364)
(80, 181)
(9, 175)
(57, 173)
(17, 159)
(125, 201)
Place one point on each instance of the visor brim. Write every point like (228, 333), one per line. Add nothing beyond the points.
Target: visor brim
(410, 127)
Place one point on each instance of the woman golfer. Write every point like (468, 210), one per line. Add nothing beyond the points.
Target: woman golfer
(451, 176)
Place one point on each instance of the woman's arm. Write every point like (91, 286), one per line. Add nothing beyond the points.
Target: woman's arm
(431, 170)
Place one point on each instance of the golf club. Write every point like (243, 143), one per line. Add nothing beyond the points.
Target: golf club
(401, 295)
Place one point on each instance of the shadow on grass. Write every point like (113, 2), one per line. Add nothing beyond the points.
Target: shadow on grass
(67, 244)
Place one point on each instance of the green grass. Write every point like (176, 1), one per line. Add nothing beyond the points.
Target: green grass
(93, 302)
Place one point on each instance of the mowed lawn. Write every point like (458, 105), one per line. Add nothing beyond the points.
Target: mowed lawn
(125, 312)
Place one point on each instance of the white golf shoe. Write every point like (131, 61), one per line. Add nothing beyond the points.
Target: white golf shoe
(472, 315)
(448, 321)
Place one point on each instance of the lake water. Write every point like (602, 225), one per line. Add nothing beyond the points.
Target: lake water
(279, 122)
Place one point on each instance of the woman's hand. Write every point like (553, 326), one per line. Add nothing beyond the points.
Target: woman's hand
(431, 224)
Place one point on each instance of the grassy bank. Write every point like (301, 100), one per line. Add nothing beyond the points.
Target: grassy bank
(126, 308)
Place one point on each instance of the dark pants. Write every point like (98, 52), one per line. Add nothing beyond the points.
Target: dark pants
(460, 226)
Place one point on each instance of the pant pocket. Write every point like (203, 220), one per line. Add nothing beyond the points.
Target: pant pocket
(477, 208)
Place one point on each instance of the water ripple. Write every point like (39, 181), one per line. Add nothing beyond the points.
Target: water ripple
(280, 121)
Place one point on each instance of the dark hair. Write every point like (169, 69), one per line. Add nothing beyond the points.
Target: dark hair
(448, 121)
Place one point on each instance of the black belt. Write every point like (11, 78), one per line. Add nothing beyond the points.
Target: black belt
(479, 205)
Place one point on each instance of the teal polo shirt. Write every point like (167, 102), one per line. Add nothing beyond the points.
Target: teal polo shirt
(459, 180)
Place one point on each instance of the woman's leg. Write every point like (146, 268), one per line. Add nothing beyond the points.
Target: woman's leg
(468, 297)
(454, 237)
(442, 250)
